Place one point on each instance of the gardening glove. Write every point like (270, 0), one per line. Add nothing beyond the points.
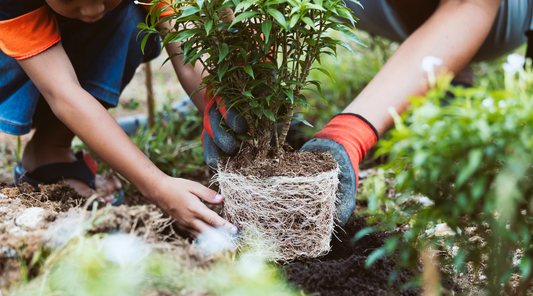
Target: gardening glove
(347, 137)
(214, 138)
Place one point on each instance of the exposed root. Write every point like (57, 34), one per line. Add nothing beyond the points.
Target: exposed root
(297, 213)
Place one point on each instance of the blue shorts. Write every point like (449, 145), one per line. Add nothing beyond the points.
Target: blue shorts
(507, 33)
(105, 56)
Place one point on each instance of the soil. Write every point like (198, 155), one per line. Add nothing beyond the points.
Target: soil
(59, 214)
(291, 163)
(342, 272)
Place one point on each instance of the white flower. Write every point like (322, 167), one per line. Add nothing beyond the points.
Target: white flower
(488, 102)
(215, 240)
(429, 62)
(514, 63)
(124, 249)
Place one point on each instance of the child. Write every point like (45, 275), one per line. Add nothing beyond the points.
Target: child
(62, 63)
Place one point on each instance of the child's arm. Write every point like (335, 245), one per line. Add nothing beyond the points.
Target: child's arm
(54, 76)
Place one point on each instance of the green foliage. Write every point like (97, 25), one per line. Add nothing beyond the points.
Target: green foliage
(133, 104)
(173, 143)
(472, 157)
(260, 59)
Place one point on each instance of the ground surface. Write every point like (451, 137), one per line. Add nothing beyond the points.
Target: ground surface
(342, 272)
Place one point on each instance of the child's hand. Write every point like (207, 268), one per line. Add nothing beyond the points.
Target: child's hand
(180, 199)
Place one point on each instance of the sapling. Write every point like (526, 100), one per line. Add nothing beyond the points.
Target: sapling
(257, 54)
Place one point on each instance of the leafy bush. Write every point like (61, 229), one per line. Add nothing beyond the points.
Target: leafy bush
(173, 143)
(260, 56)
(473, 159)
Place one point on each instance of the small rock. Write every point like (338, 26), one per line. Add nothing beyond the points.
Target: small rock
(7, 252)
(31, 217)
(17, 231)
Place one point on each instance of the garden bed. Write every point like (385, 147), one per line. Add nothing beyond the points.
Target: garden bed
(341, 272)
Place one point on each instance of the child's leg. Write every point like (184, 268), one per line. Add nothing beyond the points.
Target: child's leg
(51, 143)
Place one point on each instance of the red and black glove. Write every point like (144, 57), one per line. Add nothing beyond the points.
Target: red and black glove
(347, 137)
(214, 138)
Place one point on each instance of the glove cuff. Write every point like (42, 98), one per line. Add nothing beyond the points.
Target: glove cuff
(353, 132)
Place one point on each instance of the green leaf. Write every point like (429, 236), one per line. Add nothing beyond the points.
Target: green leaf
(278, 16)
(378, 253)
(242, 16)
(310, 41)
(273, 2)
(253, 104)
(314, 6)
(244, 5)
(200, 3)
(475, 157)
(223, 50)
(143, 43)
(266, 26)
(309, 22)
(346, 45)
(268, 99)
(208, 25)
(189, 10)
(325, 72)
(301, 120)
(248, 94)
(289, 93)
(249, 70)
(345, 13)
(223, 67)
(294, 82)
(350, 34)
(185, 34)
(269, 115)
(258, 112)
(294, 20)
(186, 46)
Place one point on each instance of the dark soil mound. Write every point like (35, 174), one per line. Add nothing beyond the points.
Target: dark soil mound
(342, 272)
(291, 163)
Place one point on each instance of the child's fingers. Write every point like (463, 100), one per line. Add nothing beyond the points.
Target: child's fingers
(204, 193)
(212, 219)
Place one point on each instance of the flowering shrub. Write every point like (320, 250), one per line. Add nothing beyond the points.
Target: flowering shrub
(473, 160)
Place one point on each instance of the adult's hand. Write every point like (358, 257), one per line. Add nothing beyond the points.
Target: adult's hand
(347, 137)
(214, 138)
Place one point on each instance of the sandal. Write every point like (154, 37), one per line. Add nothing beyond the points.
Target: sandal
(83, 169)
